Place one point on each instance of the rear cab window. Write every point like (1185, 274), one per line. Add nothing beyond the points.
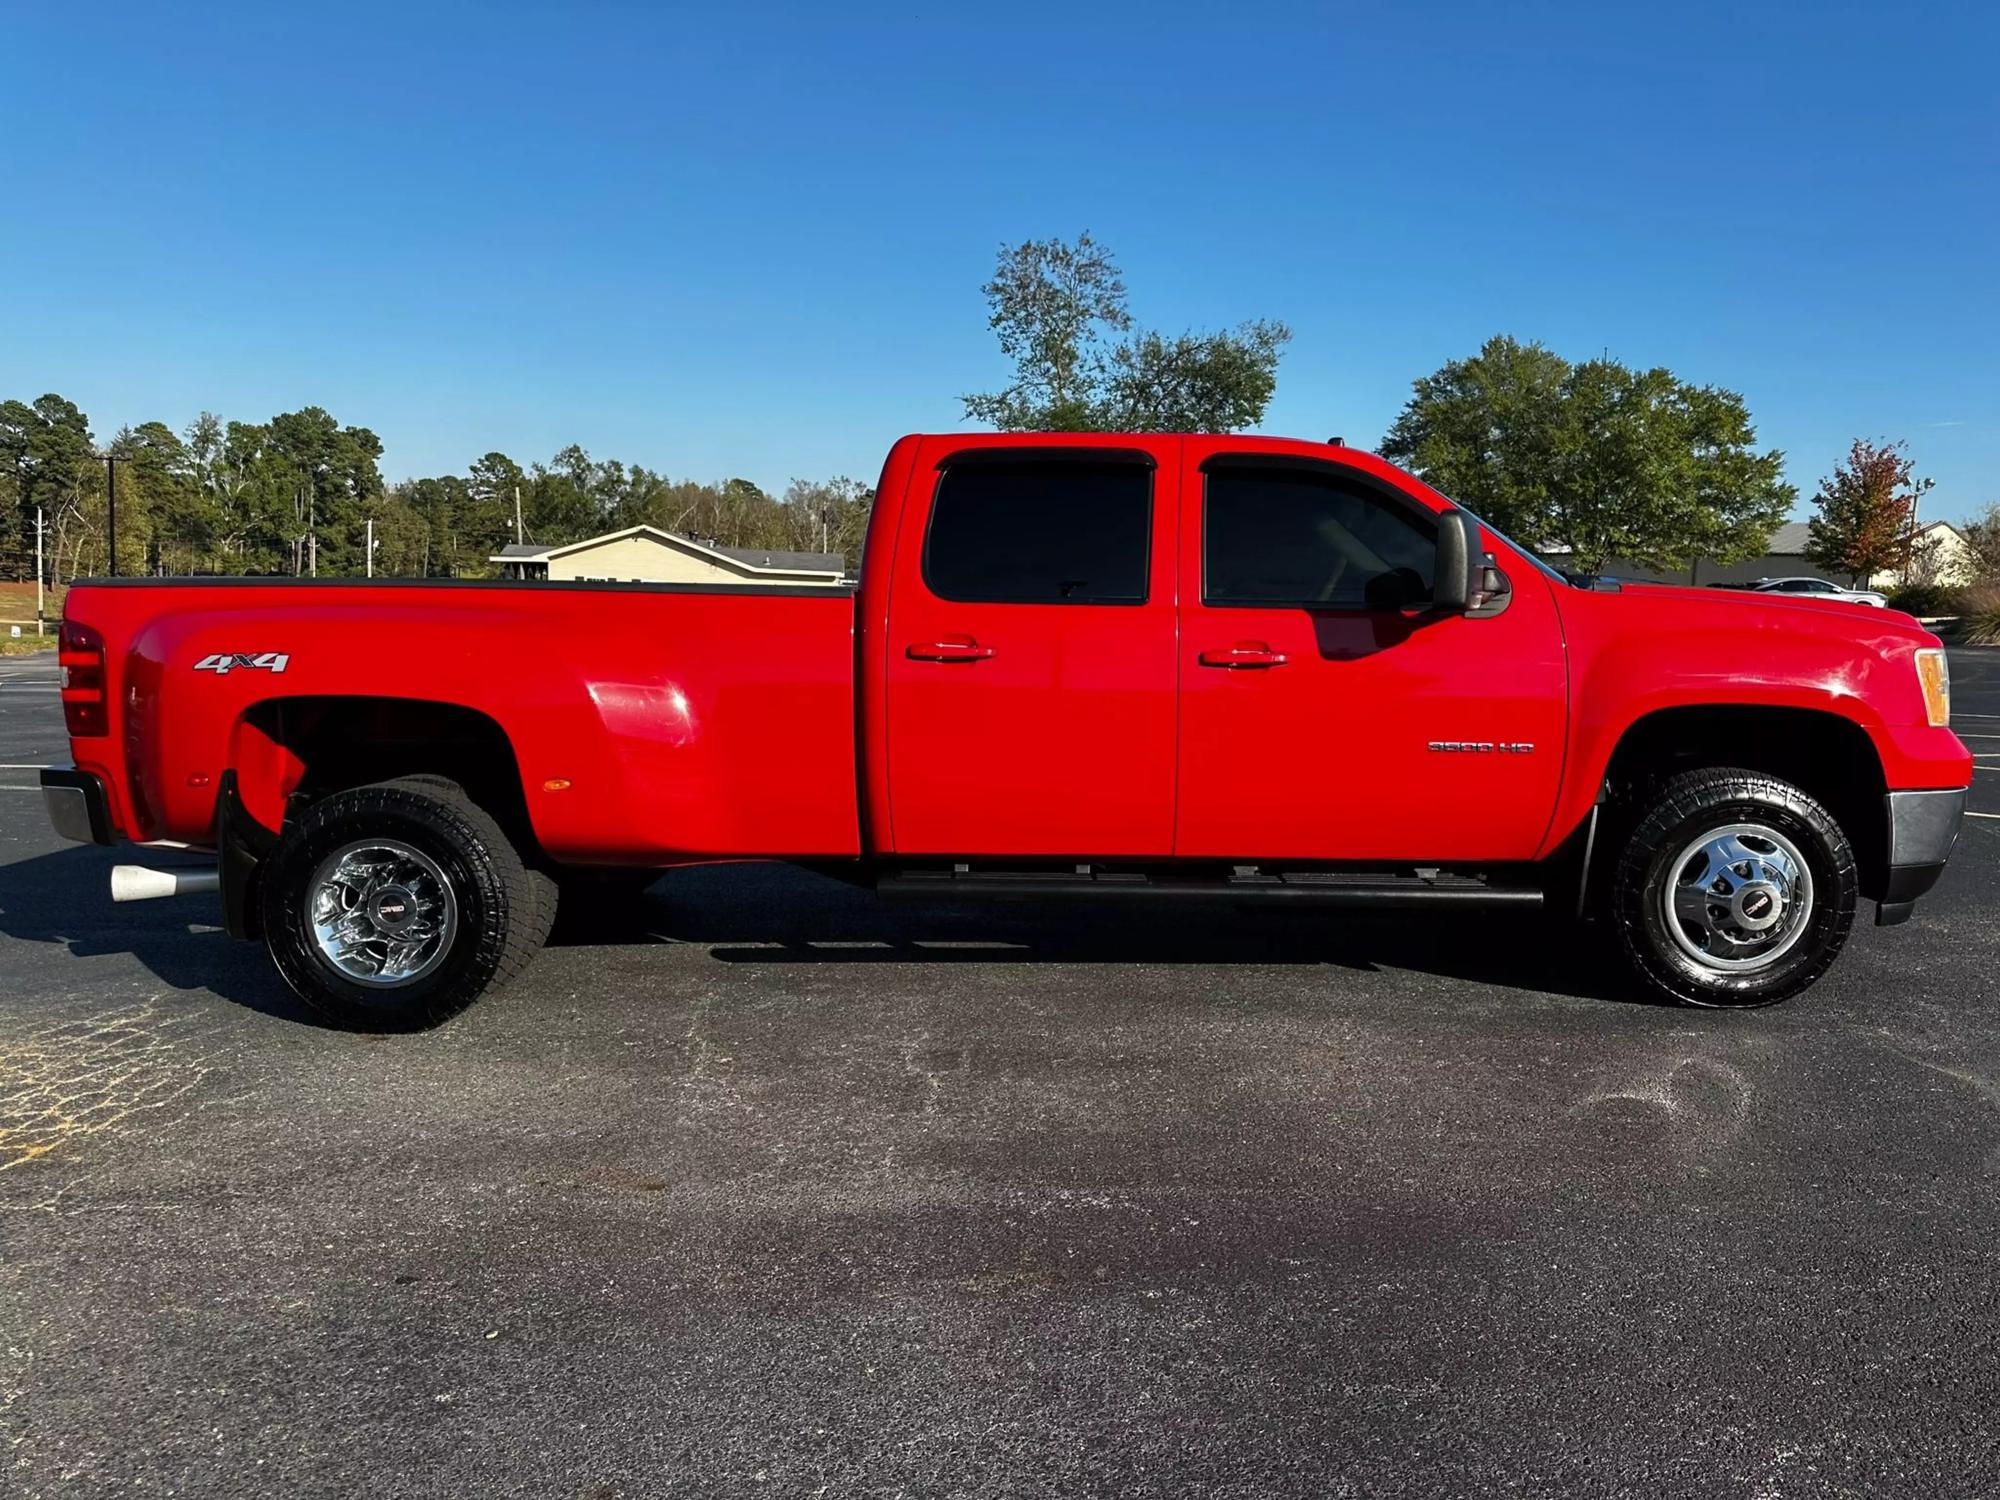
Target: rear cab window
(1041, 530)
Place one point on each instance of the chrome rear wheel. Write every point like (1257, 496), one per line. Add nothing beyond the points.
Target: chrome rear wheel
(396, 904)
(381, 912)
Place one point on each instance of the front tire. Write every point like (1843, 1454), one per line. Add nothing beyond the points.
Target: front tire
(396, 905)
(1735, 889)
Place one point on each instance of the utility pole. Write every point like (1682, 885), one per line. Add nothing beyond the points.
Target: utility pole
(312, 529)
(111, 507)
(371, 546)
(1916, 508)
(40, 629)
(519, 538)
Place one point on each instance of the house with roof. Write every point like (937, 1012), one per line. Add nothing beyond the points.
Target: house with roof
(1941, 555)
(646, 554)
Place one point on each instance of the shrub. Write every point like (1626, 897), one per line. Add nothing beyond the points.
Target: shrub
(1927, 599)
(1981, 618)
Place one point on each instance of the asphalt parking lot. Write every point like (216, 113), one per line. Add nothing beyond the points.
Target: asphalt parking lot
(781, 1191)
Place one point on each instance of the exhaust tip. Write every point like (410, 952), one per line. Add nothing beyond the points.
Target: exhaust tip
(144, 883)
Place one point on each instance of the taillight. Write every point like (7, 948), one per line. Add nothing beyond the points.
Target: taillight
(80, 651)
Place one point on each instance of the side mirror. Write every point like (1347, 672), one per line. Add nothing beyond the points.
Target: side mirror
(1458, 578)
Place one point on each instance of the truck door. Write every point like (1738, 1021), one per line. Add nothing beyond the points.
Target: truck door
(1030, 644)
(1326, 714)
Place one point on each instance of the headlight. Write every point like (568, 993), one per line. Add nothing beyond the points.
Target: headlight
(1934, 676)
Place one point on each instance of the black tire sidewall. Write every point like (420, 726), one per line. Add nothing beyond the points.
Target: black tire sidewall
(1650, 861)
(428, 822)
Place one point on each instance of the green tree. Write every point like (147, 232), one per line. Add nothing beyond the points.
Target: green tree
(1051, 303)
(298, 483)
(335, 469)
(827, 516)
(402, 536)
(203, 525)
(1595, 459)
(493, 486)
(645, 498)
(1866, 511)
(1196, 382)
(47, 460)
(444, 505)
(171, 515)
(560, 503)
(1058, 307)
(262, 501)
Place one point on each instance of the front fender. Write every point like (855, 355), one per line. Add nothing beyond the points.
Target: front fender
(1632, 657)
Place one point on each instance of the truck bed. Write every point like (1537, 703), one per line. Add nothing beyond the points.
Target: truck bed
(650, 723)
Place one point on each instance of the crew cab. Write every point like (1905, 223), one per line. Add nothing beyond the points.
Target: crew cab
(1099, 667)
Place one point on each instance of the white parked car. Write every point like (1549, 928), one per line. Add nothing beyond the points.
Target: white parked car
(1819, 588)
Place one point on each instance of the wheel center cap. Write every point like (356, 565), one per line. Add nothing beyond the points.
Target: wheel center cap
(392, 909)
(1758, 906)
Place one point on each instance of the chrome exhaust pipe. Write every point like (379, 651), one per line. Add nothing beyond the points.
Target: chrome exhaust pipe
(143, 883)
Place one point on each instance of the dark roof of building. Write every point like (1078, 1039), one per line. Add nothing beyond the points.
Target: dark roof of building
(1789, 540)
(759, 557)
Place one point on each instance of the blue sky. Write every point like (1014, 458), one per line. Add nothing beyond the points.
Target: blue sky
(748, 239)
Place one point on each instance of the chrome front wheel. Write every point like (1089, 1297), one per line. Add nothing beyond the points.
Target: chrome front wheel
(1741, 895)
(1733, 887)
(381, 912)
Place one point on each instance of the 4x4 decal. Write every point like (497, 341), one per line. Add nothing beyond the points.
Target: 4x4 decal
(260, 661)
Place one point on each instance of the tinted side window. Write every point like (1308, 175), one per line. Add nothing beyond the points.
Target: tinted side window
(1307, 537)
(1041, 532)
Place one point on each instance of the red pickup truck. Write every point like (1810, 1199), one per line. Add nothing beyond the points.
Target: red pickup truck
(1100, 667)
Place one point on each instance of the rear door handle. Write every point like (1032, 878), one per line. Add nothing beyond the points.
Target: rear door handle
(1244, 654)
(958, 648)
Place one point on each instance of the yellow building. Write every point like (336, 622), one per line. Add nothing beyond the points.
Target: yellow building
(1941, 555)
(646, 554)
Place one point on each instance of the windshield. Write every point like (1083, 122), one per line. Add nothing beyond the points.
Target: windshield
(1527, 552)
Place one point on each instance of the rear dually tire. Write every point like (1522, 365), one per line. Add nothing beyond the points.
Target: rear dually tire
(394, 906)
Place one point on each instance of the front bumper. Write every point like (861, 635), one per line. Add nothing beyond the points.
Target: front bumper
(76, 805)
(1923, 826)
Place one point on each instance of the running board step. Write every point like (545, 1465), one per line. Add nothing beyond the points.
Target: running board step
(1331, 889)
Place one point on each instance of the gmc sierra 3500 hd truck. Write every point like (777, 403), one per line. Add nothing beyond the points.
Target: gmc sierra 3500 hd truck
(1096, 667)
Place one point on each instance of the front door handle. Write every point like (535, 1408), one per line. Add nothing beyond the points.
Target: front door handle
(954, 648)
(1244, 654)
